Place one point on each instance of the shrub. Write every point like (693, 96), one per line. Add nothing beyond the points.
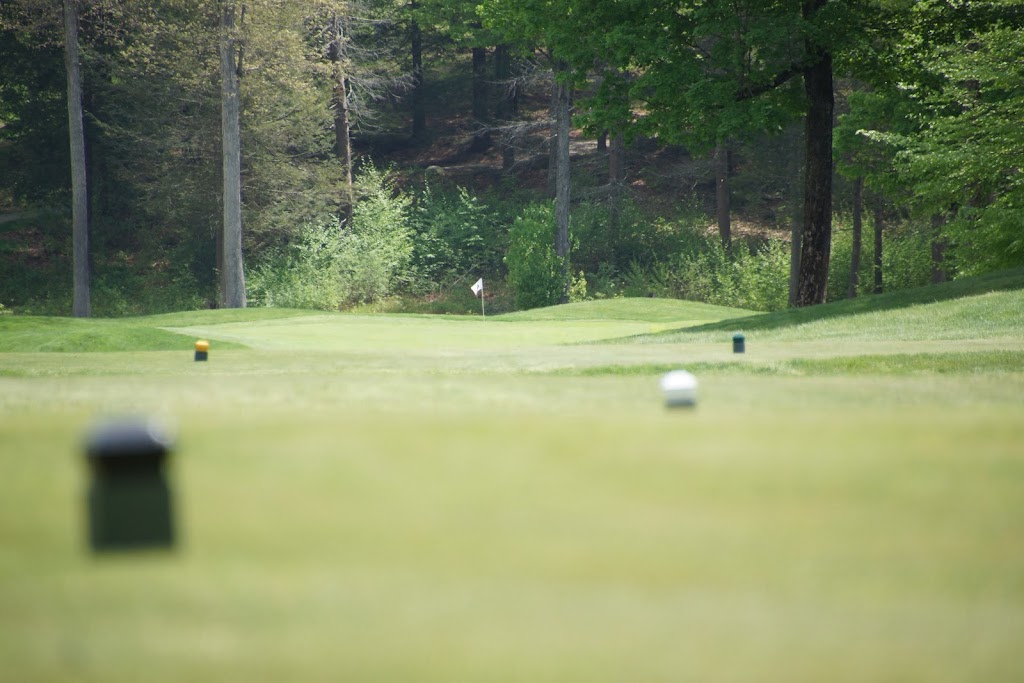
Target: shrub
(303, 274)
(326, 267)
(906, 257)
(755, 278)
(456, 235)
(377, 246)
(534, 270)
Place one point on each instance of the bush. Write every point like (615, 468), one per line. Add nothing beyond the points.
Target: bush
(377, 247)
(906, 258)
(534, 270)
(304, 274)
(634, 238)
(755, 278)
(456, 236)
(326, 267)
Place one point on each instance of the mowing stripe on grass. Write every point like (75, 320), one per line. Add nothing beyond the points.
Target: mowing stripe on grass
(960, 363)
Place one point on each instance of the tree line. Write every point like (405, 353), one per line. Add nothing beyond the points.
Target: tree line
(168, 125)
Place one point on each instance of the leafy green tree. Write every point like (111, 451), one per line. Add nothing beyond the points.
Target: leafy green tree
(966, 162)
(939, 137)
(33, 91)
(706, 71)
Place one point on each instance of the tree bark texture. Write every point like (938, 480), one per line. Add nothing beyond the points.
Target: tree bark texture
(342, 121)
(419, 111)
(507, 101)
(938, 250)
(507, 105)
(722, 208)
(563, 116)
(232, 274)
(552, 177)
(481, 89)
(795, 201)
(817, 219)
(80, 306)
(858, 232)
(616, 185)
(879, 224)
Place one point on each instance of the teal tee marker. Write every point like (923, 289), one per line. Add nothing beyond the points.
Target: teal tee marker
(738, 343)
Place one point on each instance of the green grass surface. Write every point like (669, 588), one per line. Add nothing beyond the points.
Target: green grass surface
(414, 498)
(650, 310)
(867, 315)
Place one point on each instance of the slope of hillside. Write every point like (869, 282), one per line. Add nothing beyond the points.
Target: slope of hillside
(988, 306)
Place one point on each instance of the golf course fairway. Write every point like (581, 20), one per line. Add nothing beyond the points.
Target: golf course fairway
(439, 498)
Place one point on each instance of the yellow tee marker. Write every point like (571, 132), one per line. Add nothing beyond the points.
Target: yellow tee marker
(202, 349)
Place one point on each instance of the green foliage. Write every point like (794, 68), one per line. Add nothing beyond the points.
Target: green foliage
(120, 287)
(906, 257)
(303, 274)
(578, 288)
(752, 277)
(617, 240)
(534, 270)
(325, 267)
(961, 162)
(378, 245)
(457, 236)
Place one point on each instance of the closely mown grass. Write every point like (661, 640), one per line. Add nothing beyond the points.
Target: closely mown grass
(78, 335)
(412, 498)
(951, 363)
(648, 309)
(72, 335)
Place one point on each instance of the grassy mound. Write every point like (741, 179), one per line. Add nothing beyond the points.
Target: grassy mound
(83, 335)
(982, 307)
(76, 335)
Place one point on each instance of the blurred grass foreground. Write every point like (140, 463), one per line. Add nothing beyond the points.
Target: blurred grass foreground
(415, 498)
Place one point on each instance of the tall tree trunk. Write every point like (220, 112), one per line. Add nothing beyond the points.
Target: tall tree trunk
(879, 220)
(79, 189)
(858, 231)
(481, 100)
(507, 103)
(816, 240)
(938, 250)
(232, 275)
(563, 116)
(342, 122)
(616, 187)
(552, 177)
(795, 201)
(722, 208)
(419, 111)
(481, 91)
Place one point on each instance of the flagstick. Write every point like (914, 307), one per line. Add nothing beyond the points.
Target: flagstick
(483, 312)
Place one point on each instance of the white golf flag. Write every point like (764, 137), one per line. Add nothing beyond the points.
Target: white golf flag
(478, 287)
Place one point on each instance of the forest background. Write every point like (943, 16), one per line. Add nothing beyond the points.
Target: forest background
(388, 153)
